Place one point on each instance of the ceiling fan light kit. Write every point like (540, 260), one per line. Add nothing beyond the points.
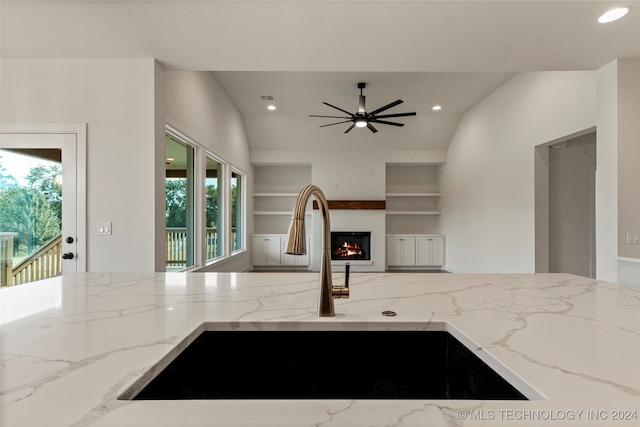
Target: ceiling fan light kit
(363, 119)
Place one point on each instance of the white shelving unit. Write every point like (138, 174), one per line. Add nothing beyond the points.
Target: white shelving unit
(413, 217)
(276, 189)
(413, 199)
(397, 200)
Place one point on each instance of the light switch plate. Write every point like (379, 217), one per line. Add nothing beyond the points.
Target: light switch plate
(104, 228)
(633, 237)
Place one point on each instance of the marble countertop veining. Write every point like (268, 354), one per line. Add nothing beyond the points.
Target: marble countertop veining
(70, 346)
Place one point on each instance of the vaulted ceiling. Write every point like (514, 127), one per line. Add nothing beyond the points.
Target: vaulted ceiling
(451, 53)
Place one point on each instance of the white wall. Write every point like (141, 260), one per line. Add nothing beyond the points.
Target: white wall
(123, 103)
(117, 100)
(488, 213)
(628, 154)
(619, 156)
(197, 106)
(607, 173)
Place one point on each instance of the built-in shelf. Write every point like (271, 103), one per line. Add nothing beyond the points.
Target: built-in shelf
(275, 194)
(413, 199)
(354, 204)
(413, 194)
(276, 191)
(272, 212)
(289, 213)
(413, 212)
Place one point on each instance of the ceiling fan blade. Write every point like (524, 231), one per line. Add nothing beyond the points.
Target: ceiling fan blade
(386, 107)
(330, 117)
(336, 123)
(350, 127)
(338, 108)
(384, 122)
(386, 116)
(371, 128)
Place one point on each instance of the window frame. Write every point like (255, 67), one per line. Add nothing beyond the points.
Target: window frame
(224, 231)
(221, 194)
(243, 214)
(191, 211)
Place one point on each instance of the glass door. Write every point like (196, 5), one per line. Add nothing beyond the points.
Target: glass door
(38, 213)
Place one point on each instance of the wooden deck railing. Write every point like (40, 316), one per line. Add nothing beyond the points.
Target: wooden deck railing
(44, 263)
(177, 245)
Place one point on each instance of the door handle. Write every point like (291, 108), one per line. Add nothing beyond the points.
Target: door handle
(68, 255)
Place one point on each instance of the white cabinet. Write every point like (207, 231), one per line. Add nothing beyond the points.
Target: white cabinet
(430, 250)
(419, 250)
(401, 250)
(268, 251)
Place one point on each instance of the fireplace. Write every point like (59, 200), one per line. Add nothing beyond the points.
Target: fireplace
(370, 221)
(351, 245)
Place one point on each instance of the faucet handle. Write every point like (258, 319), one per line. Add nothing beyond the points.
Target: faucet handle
(342, 291)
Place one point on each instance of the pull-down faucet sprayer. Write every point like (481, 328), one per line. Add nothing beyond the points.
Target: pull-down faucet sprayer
(296, 246)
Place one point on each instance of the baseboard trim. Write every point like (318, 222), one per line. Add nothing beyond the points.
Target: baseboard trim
(629, 271)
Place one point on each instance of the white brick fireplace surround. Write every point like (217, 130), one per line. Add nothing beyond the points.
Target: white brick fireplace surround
(372, 220)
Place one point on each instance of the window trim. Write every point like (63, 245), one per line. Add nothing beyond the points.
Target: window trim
(223, 172)
(227, 168)
(194, 217)
(243, 215)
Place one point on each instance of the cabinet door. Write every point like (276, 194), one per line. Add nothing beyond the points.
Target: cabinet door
(437, 251)
(401, 251)
(266, 250)
(430, 251)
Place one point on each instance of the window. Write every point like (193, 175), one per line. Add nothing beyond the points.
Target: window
(204, 205)
(179, 196)
(237, 211)
(214, 210)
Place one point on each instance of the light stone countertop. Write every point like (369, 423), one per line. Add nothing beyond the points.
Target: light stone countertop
(70, 346)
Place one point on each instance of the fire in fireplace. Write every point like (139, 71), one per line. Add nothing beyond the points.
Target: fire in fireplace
(350, 245)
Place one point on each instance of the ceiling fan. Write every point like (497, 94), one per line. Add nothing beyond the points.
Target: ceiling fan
(362, 118)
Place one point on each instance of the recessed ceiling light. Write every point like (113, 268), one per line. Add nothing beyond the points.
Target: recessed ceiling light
(436, 107)
(613, 15)
(271, 107)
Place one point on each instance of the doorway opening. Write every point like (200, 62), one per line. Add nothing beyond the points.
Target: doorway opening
(565, 205)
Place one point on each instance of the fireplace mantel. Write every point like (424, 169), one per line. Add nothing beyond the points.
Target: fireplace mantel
(354, 204)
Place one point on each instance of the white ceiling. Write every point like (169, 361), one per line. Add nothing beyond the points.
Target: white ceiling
(305, 52)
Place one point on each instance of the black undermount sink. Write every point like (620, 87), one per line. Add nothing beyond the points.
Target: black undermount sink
(327, 364)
